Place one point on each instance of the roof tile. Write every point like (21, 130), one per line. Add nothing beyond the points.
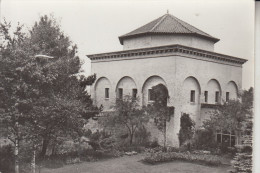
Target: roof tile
(167, 24)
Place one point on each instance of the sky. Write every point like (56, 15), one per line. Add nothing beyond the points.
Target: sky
(94, 25)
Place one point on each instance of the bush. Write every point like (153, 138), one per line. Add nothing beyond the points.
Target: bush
(159, 157)
(187, 129)
(242, 162)
(142, 136)
(204, 140)
(6, 159)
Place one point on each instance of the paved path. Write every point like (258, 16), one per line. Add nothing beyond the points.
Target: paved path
(132, 164)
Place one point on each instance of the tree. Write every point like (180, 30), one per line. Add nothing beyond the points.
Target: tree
(127, 114)
(187, 129)
(14, 92)
(159, 109)
(232, 115)
(43, 99)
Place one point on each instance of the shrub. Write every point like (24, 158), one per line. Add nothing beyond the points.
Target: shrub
(153, 144)
(142, 136)
(187, 129)
(204, 140)
(159, 157)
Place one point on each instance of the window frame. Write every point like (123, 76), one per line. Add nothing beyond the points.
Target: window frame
(227, 96)
(192, 96)
(150, 96)
(206, 96)
(134, 93)
(217, 96)
(106, 93)
(120, 93)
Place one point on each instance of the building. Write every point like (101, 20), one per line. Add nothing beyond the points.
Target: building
(171, 52)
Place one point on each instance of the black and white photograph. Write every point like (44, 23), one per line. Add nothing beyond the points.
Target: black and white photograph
(110, 86)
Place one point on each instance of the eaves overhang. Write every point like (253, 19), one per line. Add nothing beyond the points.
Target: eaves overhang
(168, 50)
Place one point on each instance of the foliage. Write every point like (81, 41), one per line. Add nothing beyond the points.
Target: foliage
(101, 140)
(236, 115)
(6, 159)
(159, 157)
(159, 109)
(232, 115)
(142, 136)
(127, 117)
(187, 128)
(42, 100)
(242, 162)
(204, 139)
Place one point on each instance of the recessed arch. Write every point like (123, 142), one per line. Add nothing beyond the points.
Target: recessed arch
(193, 80)
(214, 91)
(148, 84)
(155, 80)
(191, 90)
(232, 89)
(103, 92)
(126, 81)
(103, 80)
(127, 86)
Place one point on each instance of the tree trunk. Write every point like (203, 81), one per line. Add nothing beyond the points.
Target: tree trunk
(44, 147)
(33, 159)
(164, 134)
(16, 152)
(131, 138)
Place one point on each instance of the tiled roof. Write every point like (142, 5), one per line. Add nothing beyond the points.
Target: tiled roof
(167, 24)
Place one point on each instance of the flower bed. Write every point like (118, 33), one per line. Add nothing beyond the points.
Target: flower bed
(159, 157)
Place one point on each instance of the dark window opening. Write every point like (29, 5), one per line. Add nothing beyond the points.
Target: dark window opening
(219, 138)
(206, 96)
(217, 97)
(134, 93)
(227, 96)
(226, 139)
(106, 93)
(150, 95)
(192, 96)
(120, 93)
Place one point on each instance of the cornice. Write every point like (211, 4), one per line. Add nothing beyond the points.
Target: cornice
(169, 50)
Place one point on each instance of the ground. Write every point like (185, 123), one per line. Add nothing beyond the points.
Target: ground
(132, 164)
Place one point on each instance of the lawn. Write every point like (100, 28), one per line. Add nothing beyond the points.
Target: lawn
(132, 164)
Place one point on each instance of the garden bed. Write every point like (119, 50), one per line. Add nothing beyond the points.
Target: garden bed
(160, 157)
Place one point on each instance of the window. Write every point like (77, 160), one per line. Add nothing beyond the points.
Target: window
(192, 96)
(227, 96)
(206, 96)
(106, 93)
(217, 97)
(227, 139)
(134, 93)
(120, 93)
(150, 95)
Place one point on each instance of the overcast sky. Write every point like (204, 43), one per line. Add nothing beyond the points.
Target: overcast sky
(95, 25)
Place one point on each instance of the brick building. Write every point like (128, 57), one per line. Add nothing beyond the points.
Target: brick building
(171, 52)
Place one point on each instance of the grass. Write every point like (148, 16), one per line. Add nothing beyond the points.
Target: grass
(133, 164)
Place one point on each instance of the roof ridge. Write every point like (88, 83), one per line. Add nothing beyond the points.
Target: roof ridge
(163, 17)
(177, 20)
